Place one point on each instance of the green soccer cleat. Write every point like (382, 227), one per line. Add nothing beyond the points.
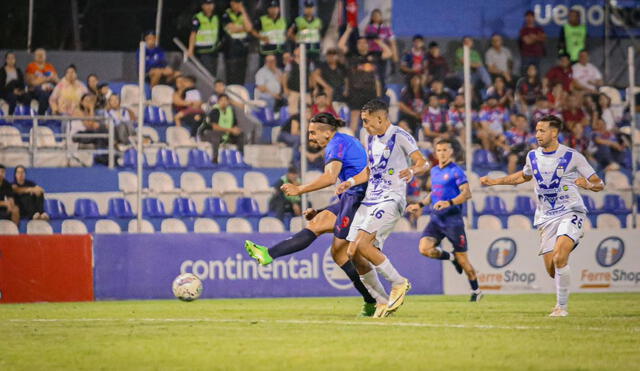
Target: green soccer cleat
(368, 309)
(259, 253)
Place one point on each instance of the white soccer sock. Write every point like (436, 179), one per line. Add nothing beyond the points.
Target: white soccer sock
(371, 281)
(387, 270)
(563, 279)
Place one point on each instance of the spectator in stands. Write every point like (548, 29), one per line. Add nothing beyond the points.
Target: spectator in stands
(532, 39)
(155, 66)
(291, 83)
(412, 103)
(308, 29)
(557, 96)
(573, 113)
(528, 89)
(414, 62)
(363, 51)
(610, 152)
(28, 196)
(363, 83)
(271, 29)
(434, 121)
(479, 73)
(587, 77)
(204, 39)
(321, 104)
(606, 113)
(331, 77)
(41, 78)
(65, 98)
(577, 140)
(269, 83)
(543, 108)
(456, 117)
(238, 26)
(493, 120)
(187, 101)
(500, 90)
(100, 90)
(590, 108)
(573, 36)
(87, 109)
(437, 65)
(377, 33)
(443, 94)
(219, 87)
(221, 126)
(122, 118)
(519, 141)
(562, 73)
(499, 59)
(8, 208)
(12, 83)
(290, 135)
(281, 204)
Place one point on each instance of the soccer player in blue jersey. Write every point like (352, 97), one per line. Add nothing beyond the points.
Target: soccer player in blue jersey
(344, 158)
(449, 190)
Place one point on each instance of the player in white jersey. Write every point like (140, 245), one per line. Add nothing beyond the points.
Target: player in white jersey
(558, 171)
(389, 149)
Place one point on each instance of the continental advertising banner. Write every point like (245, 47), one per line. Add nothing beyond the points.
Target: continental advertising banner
(507, 262)
(144, 266)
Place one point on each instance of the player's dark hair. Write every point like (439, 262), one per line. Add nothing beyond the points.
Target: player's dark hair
(554, 121)
(375, 105)
(328, 119)
(223, 96)
(445, 141)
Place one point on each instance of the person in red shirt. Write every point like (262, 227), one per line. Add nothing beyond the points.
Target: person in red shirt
(532, 38)
(562, 73)
(41, 77)
(321, 104)
(573, 113)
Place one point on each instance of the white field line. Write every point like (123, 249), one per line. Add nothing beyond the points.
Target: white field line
(364, 322)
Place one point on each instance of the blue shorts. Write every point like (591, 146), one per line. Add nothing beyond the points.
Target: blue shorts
(344, 210)
(453, 231)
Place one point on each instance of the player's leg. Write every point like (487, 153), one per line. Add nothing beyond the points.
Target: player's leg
(339, 254)
(560, 258)
(457, 236)
(431, 237)
(322, 223)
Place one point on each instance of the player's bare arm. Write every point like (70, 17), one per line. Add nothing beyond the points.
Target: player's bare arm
(362, 177)
(513, 179)
(420, 166)
(594, 183)
(328, 178)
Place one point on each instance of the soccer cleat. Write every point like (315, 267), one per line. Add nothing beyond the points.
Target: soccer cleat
(397, 296)
(476, 297)
(381, 310)
(368, 310)
(259, 253)
(457, 265)
(559, 312)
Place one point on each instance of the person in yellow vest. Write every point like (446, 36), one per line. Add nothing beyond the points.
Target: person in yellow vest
(271, 30)
(221, 126)
(307, 29)
(237, 26)
(204, 39)
(573, 37)
(281, 204)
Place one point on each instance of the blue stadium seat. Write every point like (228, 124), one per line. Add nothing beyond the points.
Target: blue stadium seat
(167, 159)
(153, 115)
(247, 206)
(494, 205)
(215, 207)
(266, 116)
(524, 205)
(345, 114)
(154, 208)
(232, 158)
(614, 204)
(590, 204)
(284, 115)
(86, 208)
(200, 159)
(184, 207)
(120, 208)
(130, 159)
(483, 159)
(25, 124)
(55, 209)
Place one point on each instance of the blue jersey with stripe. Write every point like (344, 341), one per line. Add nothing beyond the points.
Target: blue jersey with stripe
(445, 185)
(351, 153)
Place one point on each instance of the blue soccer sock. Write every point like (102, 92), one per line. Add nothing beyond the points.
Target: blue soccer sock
(293, 244)
(474, 285)
(444, 255)
(350, 270)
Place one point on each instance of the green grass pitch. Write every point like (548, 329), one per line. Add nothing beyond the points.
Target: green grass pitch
(428, 332)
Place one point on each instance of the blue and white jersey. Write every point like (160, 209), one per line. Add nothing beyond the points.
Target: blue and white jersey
(555, 174)
(387, 155)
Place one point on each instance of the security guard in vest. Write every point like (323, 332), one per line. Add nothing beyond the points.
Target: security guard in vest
(237, 26)
(306, 29)
(204, 40)
(573, 37)
(271, 30)
(221, 126)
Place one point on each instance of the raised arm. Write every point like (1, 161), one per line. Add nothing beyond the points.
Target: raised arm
(513, 179)
(329, 177)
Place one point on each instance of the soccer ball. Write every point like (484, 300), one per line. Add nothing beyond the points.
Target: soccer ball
(187, 287)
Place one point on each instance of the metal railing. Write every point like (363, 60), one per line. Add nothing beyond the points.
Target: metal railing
(70, 146)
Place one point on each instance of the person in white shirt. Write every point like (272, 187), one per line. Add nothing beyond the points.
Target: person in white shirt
(559, 172)
(269, 82)
(585, 74)
(499, 59)
(389, 149)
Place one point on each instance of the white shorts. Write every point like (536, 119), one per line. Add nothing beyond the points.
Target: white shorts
(570, 225)
(380, 219)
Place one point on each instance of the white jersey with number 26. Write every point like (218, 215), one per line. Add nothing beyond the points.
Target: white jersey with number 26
(555, 174)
